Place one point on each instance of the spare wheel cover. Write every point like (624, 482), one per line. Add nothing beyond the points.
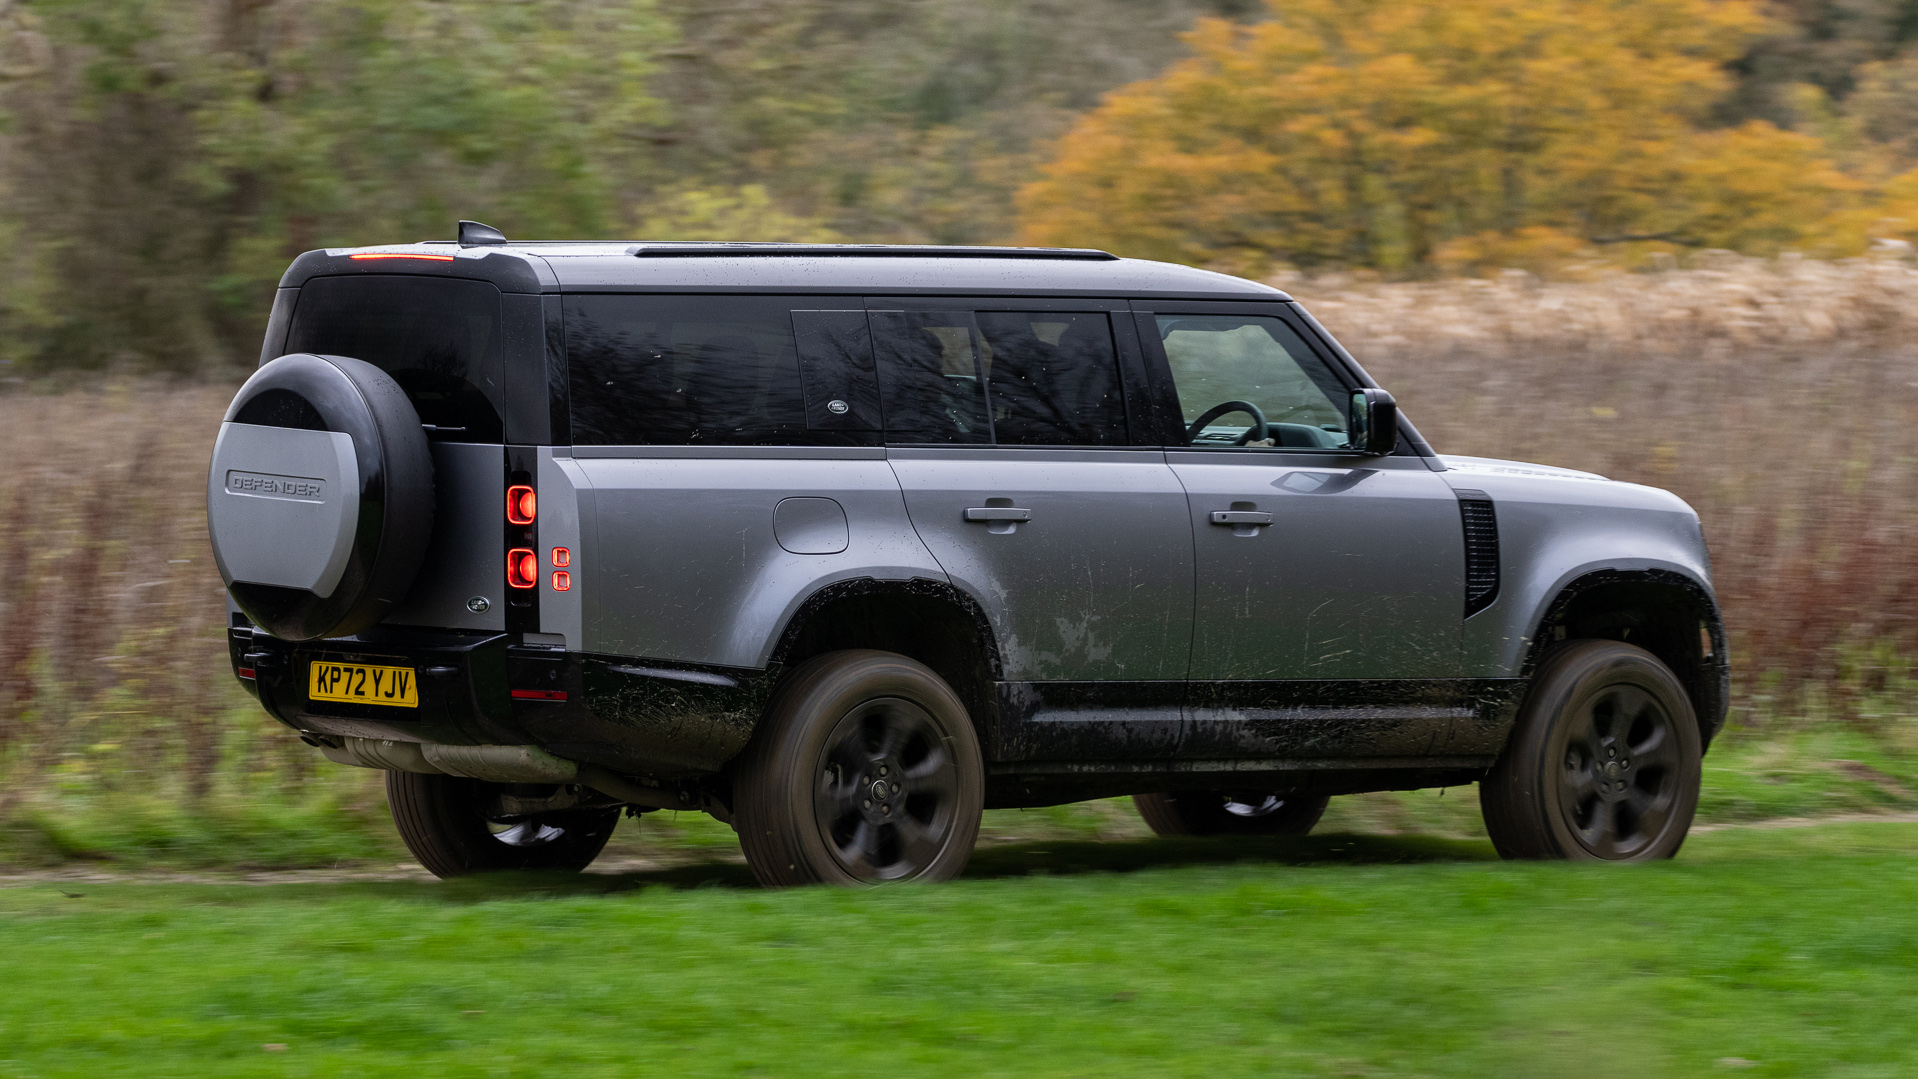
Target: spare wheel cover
(320, 498)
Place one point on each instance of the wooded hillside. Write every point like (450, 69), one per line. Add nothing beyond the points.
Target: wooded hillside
(161, 160)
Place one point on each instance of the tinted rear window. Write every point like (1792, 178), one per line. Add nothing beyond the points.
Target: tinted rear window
(796, 370)
(438, 337)
(707, 371)
(1017, 378)
(1052, 378)
(929, 371)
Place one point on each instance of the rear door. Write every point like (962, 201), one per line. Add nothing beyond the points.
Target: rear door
(1008, 425)
(449, 343)
(1330, 585)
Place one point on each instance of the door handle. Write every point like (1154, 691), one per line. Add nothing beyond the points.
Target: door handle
(1001, 513)
(1238, 517)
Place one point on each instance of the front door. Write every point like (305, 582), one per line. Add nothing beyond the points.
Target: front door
(1008, 431)
(1330, 585)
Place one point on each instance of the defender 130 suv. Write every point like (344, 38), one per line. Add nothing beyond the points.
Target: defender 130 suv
(845, 544)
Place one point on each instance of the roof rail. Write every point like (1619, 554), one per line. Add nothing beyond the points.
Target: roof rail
(719, 250)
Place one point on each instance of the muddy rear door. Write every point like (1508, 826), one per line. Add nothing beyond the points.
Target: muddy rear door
(1007, 426)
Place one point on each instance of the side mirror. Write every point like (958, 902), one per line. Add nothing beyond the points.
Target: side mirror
(1375, 422)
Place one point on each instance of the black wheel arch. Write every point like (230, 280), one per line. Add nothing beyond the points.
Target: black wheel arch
(927, 620)
(1670, 615)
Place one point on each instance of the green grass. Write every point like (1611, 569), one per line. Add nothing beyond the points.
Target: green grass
(1810, 772)
(1771, 951)
(337, 816)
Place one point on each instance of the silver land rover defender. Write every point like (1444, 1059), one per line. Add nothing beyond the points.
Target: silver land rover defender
(845, 544)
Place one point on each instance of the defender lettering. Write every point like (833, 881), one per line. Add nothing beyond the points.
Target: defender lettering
(267, 485)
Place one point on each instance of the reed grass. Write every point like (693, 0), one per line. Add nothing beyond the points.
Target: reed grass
(1778, 397)
(121, 727)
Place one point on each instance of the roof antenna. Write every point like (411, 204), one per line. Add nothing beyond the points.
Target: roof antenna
(474, 234)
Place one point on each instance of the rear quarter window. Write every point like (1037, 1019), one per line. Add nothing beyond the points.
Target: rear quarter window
(699, 371)
(438, 337)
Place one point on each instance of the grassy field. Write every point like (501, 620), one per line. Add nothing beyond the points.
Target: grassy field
(336, 817)
(1771, 951)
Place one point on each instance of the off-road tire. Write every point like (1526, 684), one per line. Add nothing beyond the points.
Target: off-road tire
(440, 819)
(1603, 763)
(1235, 813)
(805, 802)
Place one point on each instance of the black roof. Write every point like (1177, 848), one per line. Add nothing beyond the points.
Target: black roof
(859, 269)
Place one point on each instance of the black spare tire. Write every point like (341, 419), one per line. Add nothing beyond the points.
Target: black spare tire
(320, 497)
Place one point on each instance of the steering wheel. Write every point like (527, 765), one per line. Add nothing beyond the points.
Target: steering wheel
(1254, 433)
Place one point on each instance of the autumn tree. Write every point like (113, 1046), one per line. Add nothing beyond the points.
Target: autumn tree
(1386, 133)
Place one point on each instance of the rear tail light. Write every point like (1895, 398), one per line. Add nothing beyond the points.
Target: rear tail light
(522, 505)
(562, 557)
(562, 580)
(522, 568)
(539, 694)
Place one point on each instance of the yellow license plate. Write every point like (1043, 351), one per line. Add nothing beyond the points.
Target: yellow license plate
(359, 683)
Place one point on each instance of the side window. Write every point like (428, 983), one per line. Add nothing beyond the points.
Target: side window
(835, 365)
(1052, 378)
(1234, 372)
(1018, 378)
(930, 377)
(685, 370)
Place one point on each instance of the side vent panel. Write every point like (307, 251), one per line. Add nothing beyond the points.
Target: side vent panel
(1481, 550)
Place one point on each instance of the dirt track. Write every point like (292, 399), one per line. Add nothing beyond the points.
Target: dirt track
(95, 873)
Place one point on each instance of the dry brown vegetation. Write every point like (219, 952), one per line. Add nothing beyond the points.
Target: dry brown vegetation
(112, 657)
(1780, 398)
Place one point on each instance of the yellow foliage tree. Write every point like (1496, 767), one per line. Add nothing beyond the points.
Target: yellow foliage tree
(1399, 133)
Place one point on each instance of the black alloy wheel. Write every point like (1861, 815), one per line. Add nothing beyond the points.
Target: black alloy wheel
(1230, 812)
(888, 790)
(443, 821)
(865, 770)
(1621, 767)
(1603, 764)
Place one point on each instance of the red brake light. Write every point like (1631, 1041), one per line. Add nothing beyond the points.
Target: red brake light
(562, 580)
(562, 557)
(522, 505)
(400, 255)
(522, 568)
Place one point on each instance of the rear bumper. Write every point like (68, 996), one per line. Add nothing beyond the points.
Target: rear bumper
(463, 686)
(641, 717)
